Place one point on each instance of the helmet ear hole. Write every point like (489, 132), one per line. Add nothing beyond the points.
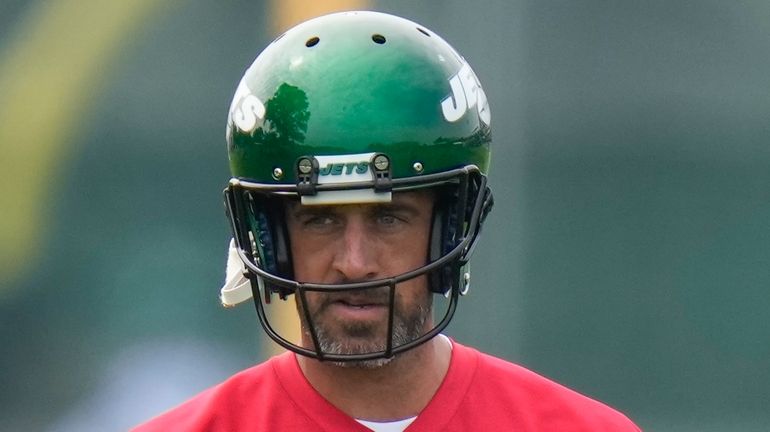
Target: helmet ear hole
(442, 241)
(272, 240)
(281, 247)
(436, 233)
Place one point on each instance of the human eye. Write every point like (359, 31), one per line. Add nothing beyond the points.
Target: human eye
(320, 222)
(390, 220)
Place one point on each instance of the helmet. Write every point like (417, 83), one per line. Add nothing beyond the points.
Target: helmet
(350, 108)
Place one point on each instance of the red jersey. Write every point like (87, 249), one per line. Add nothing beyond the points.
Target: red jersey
(479, 393)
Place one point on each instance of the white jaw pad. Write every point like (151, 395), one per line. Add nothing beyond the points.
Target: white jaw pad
(237, 288)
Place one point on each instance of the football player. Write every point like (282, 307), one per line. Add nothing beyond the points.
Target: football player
(359, 145)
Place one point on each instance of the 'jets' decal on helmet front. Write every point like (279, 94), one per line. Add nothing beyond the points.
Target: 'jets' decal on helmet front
(348, 168)
(344, 168)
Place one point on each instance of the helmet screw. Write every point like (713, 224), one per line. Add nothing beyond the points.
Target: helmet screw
(305, 166)
(277, 173)
(418, 167)
(381, 162)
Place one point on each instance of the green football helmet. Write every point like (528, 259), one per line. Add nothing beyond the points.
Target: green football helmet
(350, 108)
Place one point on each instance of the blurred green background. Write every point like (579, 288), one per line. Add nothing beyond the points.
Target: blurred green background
(628, 255)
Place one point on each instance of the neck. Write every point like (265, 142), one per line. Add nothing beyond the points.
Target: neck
(397, 390)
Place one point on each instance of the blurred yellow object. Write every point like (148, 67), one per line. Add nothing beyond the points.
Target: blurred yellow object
(288, 13)
(52, 69)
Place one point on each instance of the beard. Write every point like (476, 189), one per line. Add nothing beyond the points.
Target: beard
(363, 337)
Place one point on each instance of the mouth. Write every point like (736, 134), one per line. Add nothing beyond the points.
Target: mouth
(358, 308)
(360, 304)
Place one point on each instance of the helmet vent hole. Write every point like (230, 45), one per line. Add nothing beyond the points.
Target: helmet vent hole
(378, 38)
(421, 30)
(313, 41)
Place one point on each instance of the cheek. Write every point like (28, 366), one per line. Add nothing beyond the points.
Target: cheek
(413, 293)
(308, 258)
(309, 266)
(409, 252)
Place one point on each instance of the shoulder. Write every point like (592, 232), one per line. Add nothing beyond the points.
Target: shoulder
(220, 406)
(540, 401)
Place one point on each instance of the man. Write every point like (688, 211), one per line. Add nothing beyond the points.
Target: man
(359, 146)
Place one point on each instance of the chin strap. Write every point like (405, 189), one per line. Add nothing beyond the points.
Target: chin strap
(237, 288)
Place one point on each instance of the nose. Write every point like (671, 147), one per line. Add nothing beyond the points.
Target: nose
(356, 255)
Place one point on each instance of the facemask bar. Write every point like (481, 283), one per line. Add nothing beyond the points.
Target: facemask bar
(468, 227)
